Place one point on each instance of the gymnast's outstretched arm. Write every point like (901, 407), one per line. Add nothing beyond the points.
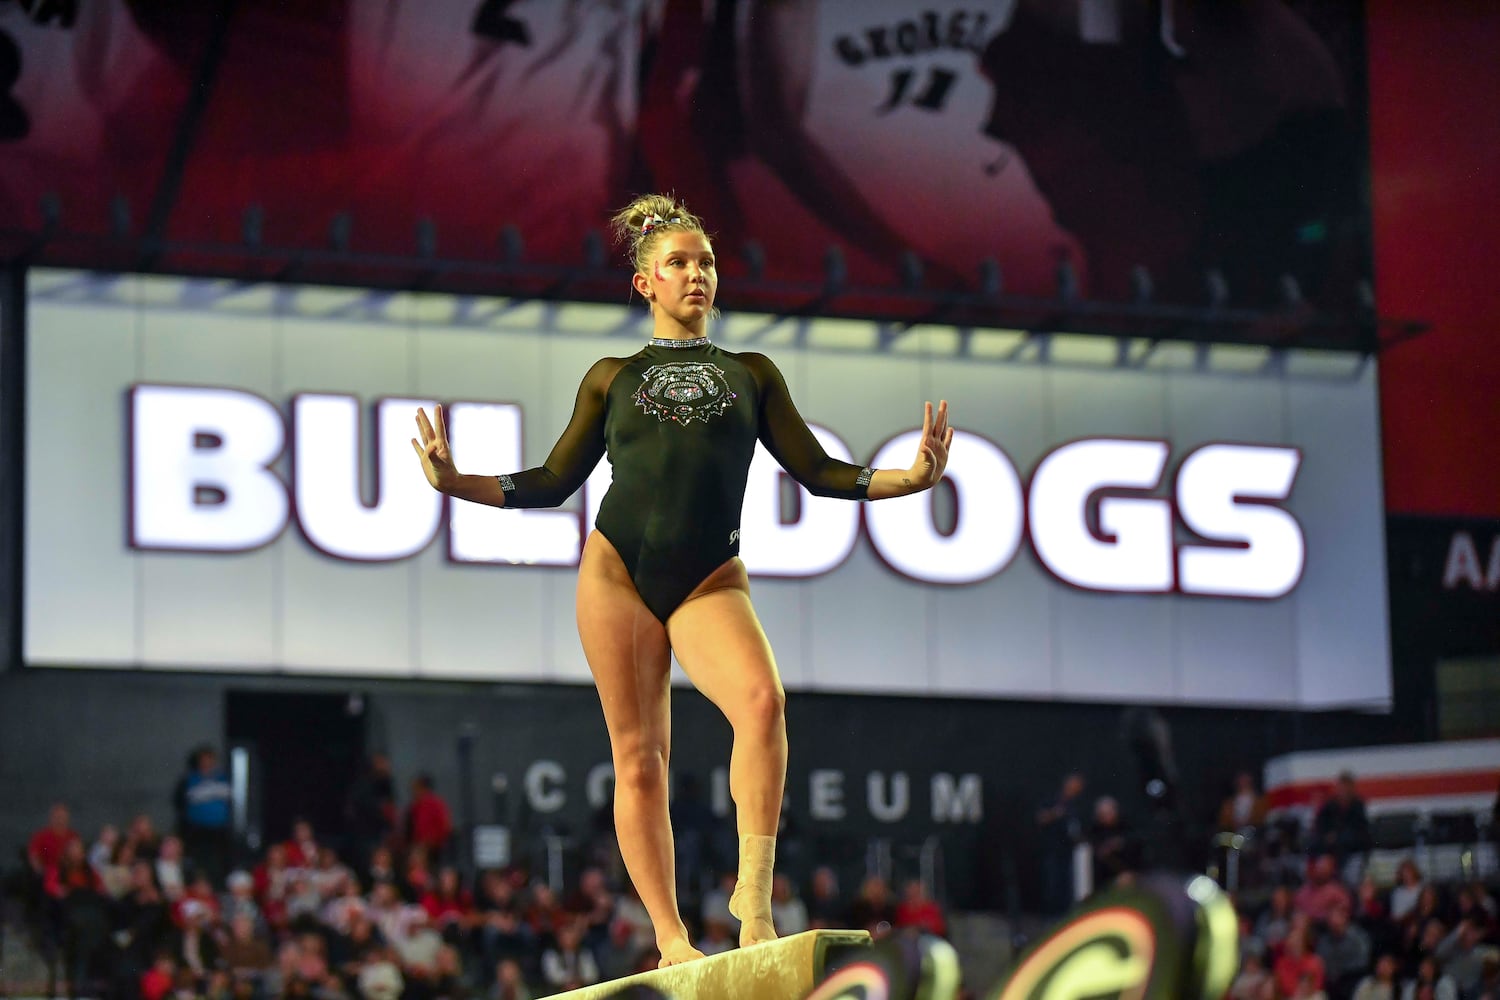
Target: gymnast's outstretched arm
(786, 435)
(547, 485)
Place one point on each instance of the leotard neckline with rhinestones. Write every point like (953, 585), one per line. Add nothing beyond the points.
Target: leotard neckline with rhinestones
(678, 344)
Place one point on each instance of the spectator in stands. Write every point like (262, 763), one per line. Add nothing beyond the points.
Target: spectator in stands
(446, 980)
(919, 910)
(1116, 849)
(157, 981)
(143, 919)
(1408, 888)
(239, 901)
(1473, 900)
(246, 952)
(509, 983)
(1275, 920)
(788, 912)
(199, 893)
(1253, 980)
(543, 911)
(380, 978)
(205, 802)
(194, 946)
(1322, 893)
(505, 937)
(1295, 964)
(873, 909)
(103, 849)
(302, 846)
(115, 873)
(171, 876)
(1308, 988)
(420, 949)
(143, 837)
(629, 908)
(1462, 954)
(370, 809)
(1245, 807)
(417, 879)
(566, 964)
(45, 848)
(1430, 983)
(449, 906)
(1489, 979)
(330, 874)
(71, 873)
(419, 952)
(76, 920)
(382, 868)
(1342, 828)
(1380, 984)
(395, 917)
(1061, 828)
(825, 906)
(429, 824)
(1344, 948)
(617, 957)
(594, 904)
(340, 913)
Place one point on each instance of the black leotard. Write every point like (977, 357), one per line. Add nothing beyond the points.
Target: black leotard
(680, 426)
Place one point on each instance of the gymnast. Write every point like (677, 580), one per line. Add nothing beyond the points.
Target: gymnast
(661, 574)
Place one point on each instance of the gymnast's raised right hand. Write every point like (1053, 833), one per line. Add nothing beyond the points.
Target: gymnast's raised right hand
(437, 459)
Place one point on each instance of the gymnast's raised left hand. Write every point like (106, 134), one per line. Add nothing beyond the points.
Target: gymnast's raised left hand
(436, 456)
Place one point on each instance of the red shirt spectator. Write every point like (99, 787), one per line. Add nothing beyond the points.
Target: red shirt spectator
(917, 909)
(46, 847)
(1294, 963)
(428, 821)
(302, 849)
(444, 908)
(1322, 893)
(200, 898)
(156, 982)
(72, 873)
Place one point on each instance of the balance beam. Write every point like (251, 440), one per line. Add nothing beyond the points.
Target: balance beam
(784, 969)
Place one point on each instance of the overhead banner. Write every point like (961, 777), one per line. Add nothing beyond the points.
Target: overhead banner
(1109, 134)
(219, 476)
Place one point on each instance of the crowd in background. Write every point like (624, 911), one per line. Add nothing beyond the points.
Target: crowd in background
(1315, 922)
(387, 913)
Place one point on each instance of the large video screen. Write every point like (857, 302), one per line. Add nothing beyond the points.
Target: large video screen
(1178, 137)
(219, 477)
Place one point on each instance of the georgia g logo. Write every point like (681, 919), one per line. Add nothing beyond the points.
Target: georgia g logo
(1105, 954)
(684, 391)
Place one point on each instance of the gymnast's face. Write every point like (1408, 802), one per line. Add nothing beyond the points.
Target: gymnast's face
(683, 278)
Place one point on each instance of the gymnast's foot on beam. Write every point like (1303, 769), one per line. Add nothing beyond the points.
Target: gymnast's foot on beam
(677, 950)
(756, 930)
(751, 902)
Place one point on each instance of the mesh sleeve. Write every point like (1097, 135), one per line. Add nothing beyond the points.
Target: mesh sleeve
(789, 440)
(576, 452)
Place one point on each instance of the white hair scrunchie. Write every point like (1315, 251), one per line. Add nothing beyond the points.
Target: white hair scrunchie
(652, 221)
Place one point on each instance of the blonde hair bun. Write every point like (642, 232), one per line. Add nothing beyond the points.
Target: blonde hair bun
(639, 225)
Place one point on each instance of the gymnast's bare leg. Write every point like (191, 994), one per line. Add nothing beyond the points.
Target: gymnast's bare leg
(627, 650)
(721, 646)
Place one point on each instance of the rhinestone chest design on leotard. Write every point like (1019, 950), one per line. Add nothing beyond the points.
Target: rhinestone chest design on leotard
(684, 391)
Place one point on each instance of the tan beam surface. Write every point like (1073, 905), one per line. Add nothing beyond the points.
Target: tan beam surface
(785, 969)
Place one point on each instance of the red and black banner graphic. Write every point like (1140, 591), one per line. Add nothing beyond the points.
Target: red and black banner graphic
(1104, 135)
